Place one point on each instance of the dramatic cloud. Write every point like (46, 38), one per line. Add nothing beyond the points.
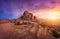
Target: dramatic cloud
(14, 8)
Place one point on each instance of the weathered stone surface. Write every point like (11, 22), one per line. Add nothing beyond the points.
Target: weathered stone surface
(26, 16)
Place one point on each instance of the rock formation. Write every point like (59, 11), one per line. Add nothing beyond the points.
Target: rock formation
(25, 27)
(26, 17)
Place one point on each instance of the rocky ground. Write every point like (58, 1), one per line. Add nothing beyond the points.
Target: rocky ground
(25, 27)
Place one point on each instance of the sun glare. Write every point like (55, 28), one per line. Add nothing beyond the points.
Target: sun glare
(52, 18)
(53, 15)
(48, 14)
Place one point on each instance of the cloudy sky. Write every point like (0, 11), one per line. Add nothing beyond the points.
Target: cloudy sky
(13, 9)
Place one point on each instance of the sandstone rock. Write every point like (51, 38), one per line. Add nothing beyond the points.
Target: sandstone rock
(26, 16)
(19, 21)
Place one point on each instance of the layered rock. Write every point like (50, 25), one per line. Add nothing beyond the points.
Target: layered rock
(26, 17)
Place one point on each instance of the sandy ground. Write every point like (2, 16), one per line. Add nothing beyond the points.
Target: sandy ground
(30, 31)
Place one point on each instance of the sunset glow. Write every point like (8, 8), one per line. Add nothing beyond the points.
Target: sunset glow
(52, 18)
(48, 14)
(53, 15)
